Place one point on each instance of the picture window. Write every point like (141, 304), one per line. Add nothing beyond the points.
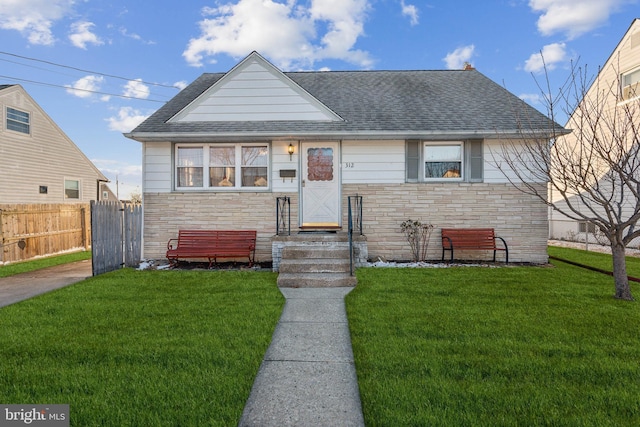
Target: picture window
(444, 161)
(222, 166)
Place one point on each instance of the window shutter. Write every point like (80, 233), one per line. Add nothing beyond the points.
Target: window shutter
(413, 160)
(475, 160)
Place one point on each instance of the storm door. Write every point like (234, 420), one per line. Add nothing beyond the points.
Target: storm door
(320, 185)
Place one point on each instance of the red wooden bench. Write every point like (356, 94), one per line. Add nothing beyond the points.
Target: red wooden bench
(464, 239)
(212, 244)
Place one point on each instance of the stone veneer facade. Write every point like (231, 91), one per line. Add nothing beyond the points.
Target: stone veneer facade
(520, 219)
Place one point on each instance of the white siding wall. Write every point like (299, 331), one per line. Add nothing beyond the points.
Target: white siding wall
(157, 167)
(280, 160)
(370, 162)
(363, 162)
(494, 156)
(255, 91)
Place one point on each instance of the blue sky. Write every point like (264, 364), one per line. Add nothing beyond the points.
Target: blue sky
(100, 67)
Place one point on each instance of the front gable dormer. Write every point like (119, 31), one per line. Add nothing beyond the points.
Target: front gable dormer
(255, 91)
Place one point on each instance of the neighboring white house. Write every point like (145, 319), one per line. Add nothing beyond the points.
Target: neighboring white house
(39, 163)
(414, 144)
(621, 72)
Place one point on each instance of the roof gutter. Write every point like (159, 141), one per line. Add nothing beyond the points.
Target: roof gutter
(357, 135)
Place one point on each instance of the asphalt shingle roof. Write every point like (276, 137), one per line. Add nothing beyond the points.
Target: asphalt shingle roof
(443, 102)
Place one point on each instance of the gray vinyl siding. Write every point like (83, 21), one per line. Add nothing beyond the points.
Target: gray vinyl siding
(45, 157)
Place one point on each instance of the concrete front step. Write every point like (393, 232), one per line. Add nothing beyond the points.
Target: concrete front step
(314, 266)
(316, 280)
(315, 252)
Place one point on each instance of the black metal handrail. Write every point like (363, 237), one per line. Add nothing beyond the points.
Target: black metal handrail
(355, 206)
(283, 215)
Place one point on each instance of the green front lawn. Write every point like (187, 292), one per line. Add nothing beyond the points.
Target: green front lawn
(142, 348)
(595, 259)
(495, 346)
(461, 346)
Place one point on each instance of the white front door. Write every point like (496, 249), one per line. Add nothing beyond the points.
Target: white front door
(320, 192)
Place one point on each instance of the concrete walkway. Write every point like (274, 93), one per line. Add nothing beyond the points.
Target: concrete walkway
(26, 285)
(307, 377)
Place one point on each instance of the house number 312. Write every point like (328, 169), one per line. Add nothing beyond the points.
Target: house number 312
(349, 165)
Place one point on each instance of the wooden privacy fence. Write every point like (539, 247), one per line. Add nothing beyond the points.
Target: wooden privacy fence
(32, 230)
(116, 236)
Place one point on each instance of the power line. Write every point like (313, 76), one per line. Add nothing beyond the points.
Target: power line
(80, 90)
(36, 68)
(84, 71)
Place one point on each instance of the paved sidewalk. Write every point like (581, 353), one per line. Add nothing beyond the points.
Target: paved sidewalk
(26, 285)
(307, 377)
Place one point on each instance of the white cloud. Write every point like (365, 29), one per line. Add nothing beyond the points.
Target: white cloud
(532, 98)
(126, 120)
(81, 35)
(136, 89)
(572, 17)
(411, 11)
(290, 34)
(456, 59)
(550, 56)
(33, 18)
(181, 84)
(135, 36)
(86, 86)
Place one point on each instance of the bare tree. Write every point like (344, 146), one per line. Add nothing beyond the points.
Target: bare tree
(593, 173)
(136, 197)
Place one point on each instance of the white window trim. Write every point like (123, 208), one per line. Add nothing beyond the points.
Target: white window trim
(636, 84)
(6, 120)
(205, 167)
(423, 162)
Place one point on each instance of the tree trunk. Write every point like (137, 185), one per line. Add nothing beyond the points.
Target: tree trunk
(623, 291)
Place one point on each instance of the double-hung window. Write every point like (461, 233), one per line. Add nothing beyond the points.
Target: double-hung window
(190, 168)
(631, 84)
(18, 121)
(72, 189)
(446, 161)
(222, 166)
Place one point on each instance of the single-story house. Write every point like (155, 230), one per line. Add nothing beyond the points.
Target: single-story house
(413, 144)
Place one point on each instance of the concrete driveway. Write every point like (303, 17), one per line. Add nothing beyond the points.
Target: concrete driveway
(26, 285)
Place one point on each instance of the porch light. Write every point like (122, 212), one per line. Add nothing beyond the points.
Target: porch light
(290, 151)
